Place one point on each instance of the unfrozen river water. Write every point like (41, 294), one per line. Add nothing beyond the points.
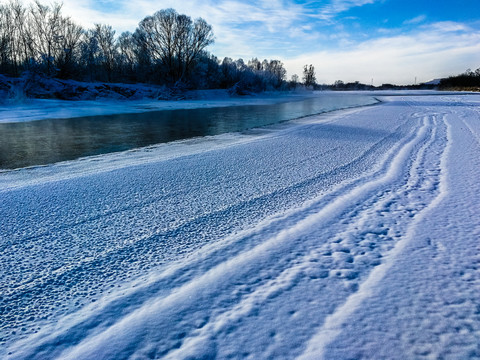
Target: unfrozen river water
(48, 141)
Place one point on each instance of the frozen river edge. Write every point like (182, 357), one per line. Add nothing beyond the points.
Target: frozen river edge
(40, 109)
(352, 234)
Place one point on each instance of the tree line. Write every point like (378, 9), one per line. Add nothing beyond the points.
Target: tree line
(468, 80)
(166, 48)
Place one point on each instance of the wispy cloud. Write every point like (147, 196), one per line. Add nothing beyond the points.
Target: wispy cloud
(416, 20)
(334, 7)
(450, 27)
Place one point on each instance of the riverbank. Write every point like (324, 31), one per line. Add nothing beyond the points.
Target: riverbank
(36, 98)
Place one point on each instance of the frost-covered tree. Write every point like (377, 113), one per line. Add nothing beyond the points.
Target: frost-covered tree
(468, 80)
(206, 73)
(165, 48)
(338, 84)
(277, 72)
(255, 64)
(229, 73)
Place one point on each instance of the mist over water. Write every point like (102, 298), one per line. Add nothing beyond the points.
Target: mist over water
(49, 141)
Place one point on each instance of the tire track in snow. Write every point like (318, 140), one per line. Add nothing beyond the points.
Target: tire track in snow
(278, 221)
(285, 279)
(332, 326)
(475, 135)
(98, 268)
(279, 227)
(180, 271)
(180, 297)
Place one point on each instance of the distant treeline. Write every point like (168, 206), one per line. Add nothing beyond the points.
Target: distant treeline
(468, 80)
(167, 48)
(339, 85)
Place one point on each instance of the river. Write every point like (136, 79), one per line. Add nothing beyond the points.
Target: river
(49, 141)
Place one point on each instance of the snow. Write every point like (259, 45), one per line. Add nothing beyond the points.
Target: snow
(351, 234)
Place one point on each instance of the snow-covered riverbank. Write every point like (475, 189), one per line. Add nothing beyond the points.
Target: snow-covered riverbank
(352, 234)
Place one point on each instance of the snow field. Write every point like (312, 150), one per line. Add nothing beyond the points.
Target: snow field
(296, 242)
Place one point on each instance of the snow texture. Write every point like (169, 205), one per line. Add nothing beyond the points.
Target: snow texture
(348, 235)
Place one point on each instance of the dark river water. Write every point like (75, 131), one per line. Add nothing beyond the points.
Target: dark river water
(48, 141)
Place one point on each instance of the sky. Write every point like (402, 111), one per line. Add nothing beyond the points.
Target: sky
(379, 41)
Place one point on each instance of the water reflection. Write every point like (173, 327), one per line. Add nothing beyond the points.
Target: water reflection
(49, 141)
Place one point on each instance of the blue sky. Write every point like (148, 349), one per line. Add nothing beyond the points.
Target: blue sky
(349, 40)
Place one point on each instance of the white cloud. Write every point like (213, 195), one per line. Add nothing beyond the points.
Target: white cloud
(435, 51)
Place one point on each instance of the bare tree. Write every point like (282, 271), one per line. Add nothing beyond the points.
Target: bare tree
(107, 48)
(45, 26)
(294, 81)
(200, 37)
(127, 47)
(70, 41)
(165, 48)
(6, 36)
(309, 78)
(15, 40)
(173, 41)
(89, 54)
